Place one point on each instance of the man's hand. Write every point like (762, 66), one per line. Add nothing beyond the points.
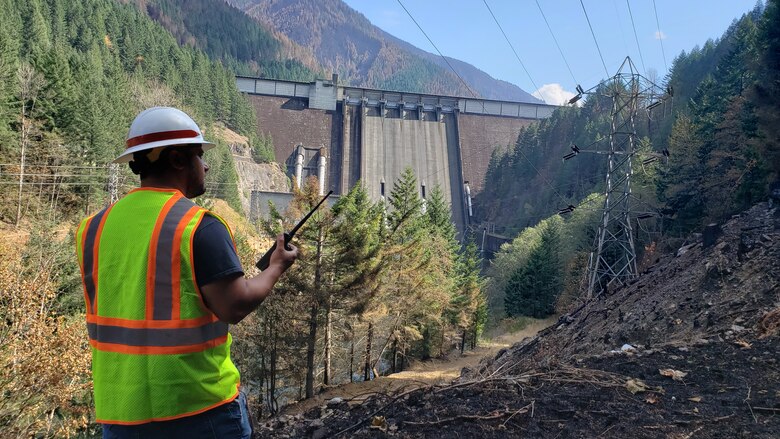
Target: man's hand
(282, 257)
(233, 298)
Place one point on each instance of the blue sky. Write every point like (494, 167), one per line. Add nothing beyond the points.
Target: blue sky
(464, 29)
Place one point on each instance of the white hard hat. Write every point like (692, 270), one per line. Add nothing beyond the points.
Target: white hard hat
(161, 126)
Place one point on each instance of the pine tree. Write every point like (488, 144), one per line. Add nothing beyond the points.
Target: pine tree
(405, 206)
(223, 176)
(357, 237)
(416, 265)
(439, 216)
(534, 287)
(679, 183)
(766, 92)
(8, 67)
(468, 308)
(311, 277)
(38, 39)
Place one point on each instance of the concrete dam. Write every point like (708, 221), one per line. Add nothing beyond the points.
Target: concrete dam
(344, 135)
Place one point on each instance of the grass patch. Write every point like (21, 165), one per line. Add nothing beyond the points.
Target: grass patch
(509, 325)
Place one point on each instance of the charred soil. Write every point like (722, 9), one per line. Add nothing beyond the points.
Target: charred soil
(689, 350)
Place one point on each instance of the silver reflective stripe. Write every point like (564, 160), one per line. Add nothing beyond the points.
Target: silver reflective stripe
(89, 258)
(163, 282)
(169, 337)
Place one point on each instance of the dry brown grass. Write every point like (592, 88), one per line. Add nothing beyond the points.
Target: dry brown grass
(227, 135)
(769, 324)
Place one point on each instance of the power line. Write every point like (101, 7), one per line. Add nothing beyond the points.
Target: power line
(96, 167)
(556, 43)
(620, 26)
(27, 174)
(660, 36)
(49, 183)
(437, 50)
(594, 38)
(520, 150)
(641, 58)
(510, 44)
(481, 102)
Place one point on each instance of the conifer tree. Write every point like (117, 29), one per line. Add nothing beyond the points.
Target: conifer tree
(405, 217)
(357, 238)
(38, 39)
(680, 180)
(766, 92)
(534, 287)
(416, 261)
(8, 68)
(310, 278)
(467, 309)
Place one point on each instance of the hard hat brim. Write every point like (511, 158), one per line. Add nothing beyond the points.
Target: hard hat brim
(127, 154)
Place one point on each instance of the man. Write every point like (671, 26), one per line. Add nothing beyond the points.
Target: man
(161, 282)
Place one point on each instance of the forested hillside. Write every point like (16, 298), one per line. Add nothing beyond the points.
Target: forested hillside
(226, 34)
(345, 42)
(74, 74)
(723, 138)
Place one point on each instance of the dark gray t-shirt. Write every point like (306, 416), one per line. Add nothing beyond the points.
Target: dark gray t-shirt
(213, 252)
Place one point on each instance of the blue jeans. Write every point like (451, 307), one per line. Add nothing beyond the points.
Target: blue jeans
(227, 421)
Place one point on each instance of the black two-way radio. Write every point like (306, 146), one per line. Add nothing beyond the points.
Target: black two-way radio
(288, 236)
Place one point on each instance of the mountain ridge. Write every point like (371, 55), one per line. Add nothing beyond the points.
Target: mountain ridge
(346, 42)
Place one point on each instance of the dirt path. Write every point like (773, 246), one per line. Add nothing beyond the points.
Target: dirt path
(420, 374)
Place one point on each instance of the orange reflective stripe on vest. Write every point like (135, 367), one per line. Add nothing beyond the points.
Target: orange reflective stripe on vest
(89, 269)
(163, 275)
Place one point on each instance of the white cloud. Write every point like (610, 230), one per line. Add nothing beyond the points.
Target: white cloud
(659, 35)
(554, 94)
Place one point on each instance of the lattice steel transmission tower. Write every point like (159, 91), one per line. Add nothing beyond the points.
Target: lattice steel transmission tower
(113, 183)
(613, 260)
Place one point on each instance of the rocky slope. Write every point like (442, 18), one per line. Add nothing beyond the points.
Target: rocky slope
(691, 349)
(251, 175)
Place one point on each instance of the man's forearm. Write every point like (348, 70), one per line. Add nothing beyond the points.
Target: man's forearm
(261, 285)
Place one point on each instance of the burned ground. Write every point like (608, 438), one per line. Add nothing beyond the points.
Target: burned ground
(689, 350)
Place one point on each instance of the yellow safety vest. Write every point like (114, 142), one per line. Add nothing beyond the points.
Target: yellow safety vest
(158, 352)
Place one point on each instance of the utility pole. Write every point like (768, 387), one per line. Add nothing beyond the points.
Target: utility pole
(613, 260)
(113, 183)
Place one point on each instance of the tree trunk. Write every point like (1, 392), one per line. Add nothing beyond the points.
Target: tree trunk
(326, 377)
(441, 343)
(25, 130)
(386, 343)
(272, 406)
(474, 338)
(311, 345)
(395, 355)
(351, 353)
(463, 341)
(261, 392)
(426, 344)
(30, 84)
(401, 356)
(369, 340)
(262, 378)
